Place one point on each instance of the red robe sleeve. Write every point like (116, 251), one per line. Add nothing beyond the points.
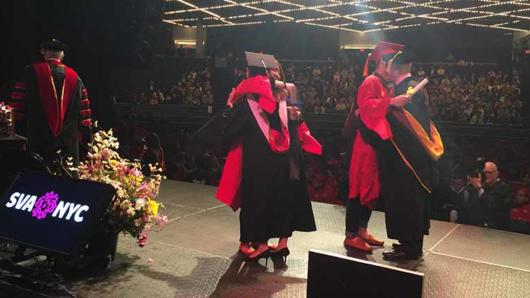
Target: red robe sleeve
(309, 143)
(373, 101)
(228, 191)
(257, 85)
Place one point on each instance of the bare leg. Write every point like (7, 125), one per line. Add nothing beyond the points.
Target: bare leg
(282, 243)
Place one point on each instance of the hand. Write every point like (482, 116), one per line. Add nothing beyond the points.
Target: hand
(294, 113)
(230, 100)
(400, 101)
(293, 93)
(476, 182)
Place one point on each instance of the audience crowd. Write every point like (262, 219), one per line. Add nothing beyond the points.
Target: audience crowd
(194, 88)
(472, 94)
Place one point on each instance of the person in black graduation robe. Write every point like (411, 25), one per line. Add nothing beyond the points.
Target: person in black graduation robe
(406, 164)
(263, 174)
(272, 205)
(51, 106)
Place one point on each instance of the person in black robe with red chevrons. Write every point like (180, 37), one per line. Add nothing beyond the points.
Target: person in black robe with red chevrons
(406, 162)
(51, 106)
(260, 175)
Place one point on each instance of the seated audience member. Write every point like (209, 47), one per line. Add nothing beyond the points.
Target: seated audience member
(154, 154)
(451, 204)
(520, 213)
(467, 206)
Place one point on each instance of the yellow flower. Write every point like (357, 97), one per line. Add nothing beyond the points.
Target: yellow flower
(153, 206)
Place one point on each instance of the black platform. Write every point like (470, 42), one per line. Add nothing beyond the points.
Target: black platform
(196, 256)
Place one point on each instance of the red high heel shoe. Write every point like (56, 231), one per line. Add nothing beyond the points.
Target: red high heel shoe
(280, 253)
(263, 255)
(245, 249)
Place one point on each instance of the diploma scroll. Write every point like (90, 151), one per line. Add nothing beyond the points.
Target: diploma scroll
(413, 91)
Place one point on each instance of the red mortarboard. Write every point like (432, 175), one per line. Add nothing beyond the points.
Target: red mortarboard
(381, 49)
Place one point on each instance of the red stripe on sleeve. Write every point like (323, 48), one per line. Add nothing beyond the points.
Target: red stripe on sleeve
(86, 122)
(85, 113)
(18, 95)
(20, 85)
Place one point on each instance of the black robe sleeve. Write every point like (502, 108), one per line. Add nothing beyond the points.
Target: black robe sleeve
(236, 122)
(223, 129)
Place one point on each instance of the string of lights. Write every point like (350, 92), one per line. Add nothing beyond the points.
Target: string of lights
(355, 16)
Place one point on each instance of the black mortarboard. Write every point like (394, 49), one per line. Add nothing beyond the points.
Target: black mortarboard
(403, 57)
(261, 60)
(54, 45)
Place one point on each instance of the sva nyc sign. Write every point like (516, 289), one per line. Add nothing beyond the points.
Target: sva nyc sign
(47, 204)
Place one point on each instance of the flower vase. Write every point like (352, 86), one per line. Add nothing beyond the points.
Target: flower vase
(101, 247)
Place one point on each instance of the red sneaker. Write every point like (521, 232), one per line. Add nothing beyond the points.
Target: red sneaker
(357, 243)
(370, 239)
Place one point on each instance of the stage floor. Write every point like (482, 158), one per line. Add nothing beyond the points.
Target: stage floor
(196, 256)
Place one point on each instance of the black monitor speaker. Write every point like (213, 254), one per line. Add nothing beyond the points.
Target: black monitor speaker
(332, 275)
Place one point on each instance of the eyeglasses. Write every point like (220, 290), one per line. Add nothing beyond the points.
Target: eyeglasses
(489, 172)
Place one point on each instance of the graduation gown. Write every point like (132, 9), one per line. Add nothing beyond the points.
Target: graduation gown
(51, 107)
(371, 125)
(406, 161)
(266, 183)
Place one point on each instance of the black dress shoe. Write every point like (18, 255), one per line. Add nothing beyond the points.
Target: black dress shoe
(397, 246)
(401, 254)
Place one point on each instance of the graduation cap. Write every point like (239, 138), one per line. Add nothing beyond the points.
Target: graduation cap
(382, 49)
(403, 57)
(261, 60)
(53, 45)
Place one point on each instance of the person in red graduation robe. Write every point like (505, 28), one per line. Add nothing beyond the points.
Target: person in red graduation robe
(368, 123)
(51, 106)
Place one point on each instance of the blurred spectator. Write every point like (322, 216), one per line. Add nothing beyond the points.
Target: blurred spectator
(154, 154)
(520, 213)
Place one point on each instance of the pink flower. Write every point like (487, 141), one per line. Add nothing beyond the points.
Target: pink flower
(161, 221)
(143, 191)
(105, 154)
(142, 239)
(135, 172)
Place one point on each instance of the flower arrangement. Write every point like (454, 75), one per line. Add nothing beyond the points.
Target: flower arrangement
(134, 210)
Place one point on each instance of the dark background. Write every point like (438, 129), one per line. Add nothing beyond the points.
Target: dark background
(109, 37)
